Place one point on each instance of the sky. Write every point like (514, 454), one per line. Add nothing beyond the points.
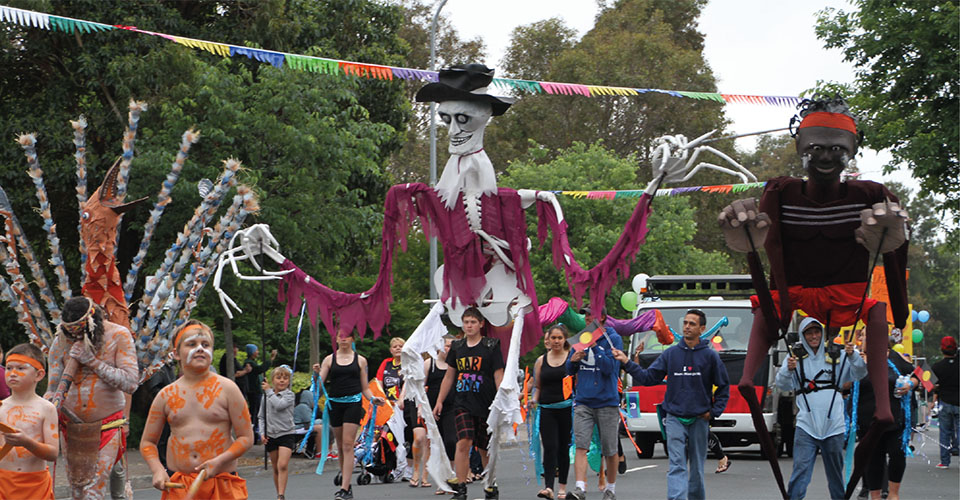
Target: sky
(759, 47)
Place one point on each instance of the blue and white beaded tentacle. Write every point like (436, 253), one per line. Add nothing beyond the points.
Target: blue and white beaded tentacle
(28, 143)
(80, 143)
(46, 293)
(187, 284)
(129, 138)
(163, 198)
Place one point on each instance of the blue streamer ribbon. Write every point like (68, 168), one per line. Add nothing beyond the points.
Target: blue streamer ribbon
(296, 348)
(324, 431)
(367, 456)
(353, 398)
(566, 403)
(905, 405)
(535, 453)
(851, 432)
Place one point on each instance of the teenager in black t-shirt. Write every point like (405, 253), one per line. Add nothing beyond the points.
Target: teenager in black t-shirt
(474, 373)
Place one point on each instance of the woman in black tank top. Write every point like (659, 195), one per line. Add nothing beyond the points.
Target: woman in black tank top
(447, 420)
(344, 380)
(556, 422)
(343, 375)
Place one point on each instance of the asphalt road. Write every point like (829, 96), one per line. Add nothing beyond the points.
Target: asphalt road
(749, 477)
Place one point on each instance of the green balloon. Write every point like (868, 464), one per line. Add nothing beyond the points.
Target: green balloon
(917, 335)
(629, 301)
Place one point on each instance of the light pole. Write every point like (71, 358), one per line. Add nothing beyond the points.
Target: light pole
(433, 142)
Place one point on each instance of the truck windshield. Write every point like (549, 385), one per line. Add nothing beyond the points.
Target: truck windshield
(733, 337)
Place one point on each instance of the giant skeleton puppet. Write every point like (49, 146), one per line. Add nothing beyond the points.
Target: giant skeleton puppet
(802, 221)
(483, 231)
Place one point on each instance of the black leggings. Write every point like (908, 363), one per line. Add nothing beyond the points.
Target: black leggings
(448, 432)
(713, 444)
(890, 444)
(555, 425)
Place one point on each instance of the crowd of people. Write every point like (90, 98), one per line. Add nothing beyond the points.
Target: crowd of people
(205, 421)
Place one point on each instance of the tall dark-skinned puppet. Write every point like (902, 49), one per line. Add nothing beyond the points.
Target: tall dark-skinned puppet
(819, 234)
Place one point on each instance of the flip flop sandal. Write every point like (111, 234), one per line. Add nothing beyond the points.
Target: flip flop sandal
(414, 483)
(440, 492)
(724, 466)
(424, 484)
(545, 493)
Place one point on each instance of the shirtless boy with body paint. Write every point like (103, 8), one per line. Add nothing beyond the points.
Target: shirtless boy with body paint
(204, 410)
(107, 369)
(23, 471)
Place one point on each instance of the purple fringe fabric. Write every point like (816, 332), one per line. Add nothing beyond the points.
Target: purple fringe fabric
(464, 262)
(601, 278)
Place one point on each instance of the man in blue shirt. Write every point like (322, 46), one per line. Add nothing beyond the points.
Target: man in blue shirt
(692, 369)
(596, 404)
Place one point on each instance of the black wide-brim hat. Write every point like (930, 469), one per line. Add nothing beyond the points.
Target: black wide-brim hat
(465, 82)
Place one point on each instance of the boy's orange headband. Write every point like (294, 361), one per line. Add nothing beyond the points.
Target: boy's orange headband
(176, 342)
(20, 358)
(829, 120)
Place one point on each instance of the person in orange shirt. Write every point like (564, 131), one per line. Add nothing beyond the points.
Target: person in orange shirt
(204, 411)
(31, 429)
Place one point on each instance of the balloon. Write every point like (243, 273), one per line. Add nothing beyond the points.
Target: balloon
(898, 347)
(639, 283)
(913, 315)
(917, 335)
(923, 316)
(629, 301)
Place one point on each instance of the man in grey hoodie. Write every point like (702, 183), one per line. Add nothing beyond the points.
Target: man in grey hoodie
(816, 378)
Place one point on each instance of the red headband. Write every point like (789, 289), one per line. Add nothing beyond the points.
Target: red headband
(195, 326)
(19, 358)
(829, 120)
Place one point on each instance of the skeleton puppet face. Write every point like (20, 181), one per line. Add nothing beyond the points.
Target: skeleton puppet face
(466, 121)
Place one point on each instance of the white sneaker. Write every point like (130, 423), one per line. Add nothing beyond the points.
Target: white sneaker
(609, 495)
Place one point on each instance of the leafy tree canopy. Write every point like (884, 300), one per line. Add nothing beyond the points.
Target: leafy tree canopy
(314, 146)
(906, 88)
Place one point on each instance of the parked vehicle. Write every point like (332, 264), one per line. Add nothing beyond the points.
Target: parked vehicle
(725, 301)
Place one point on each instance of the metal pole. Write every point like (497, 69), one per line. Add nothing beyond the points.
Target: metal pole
(744, 135)
(433, 142)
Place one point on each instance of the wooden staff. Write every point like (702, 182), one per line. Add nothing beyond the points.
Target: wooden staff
(195, 487)
(66, 380)
(6, 446)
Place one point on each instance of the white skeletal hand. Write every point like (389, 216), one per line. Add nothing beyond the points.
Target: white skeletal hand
(671, 159)
(246, 245)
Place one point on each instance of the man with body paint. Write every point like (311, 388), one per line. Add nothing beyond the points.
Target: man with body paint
(205, 411)
(33, 421)
(106, 368)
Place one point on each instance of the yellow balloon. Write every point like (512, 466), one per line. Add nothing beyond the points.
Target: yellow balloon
(898, 347)
(586, 337)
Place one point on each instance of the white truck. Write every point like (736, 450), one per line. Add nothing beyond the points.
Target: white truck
(725, 301)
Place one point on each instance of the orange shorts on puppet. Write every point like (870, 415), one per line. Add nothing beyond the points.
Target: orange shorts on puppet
(223, 486)
(33, 485)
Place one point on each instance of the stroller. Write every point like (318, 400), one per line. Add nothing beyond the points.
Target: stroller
(376, 449)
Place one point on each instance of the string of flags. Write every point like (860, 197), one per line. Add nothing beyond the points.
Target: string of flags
(636, 193)
(32, 19)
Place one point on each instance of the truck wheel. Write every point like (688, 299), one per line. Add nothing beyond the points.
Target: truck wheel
(646, 445)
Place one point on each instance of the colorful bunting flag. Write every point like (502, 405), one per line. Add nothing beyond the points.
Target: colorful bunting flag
(300, 62)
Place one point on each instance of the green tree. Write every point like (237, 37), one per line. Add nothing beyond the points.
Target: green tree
(934, 280)
(906, 88)
(314, 146)
(635, 43)
(595, 225)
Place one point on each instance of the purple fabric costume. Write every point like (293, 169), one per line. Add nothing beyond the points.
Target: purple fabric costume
(463, 258)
